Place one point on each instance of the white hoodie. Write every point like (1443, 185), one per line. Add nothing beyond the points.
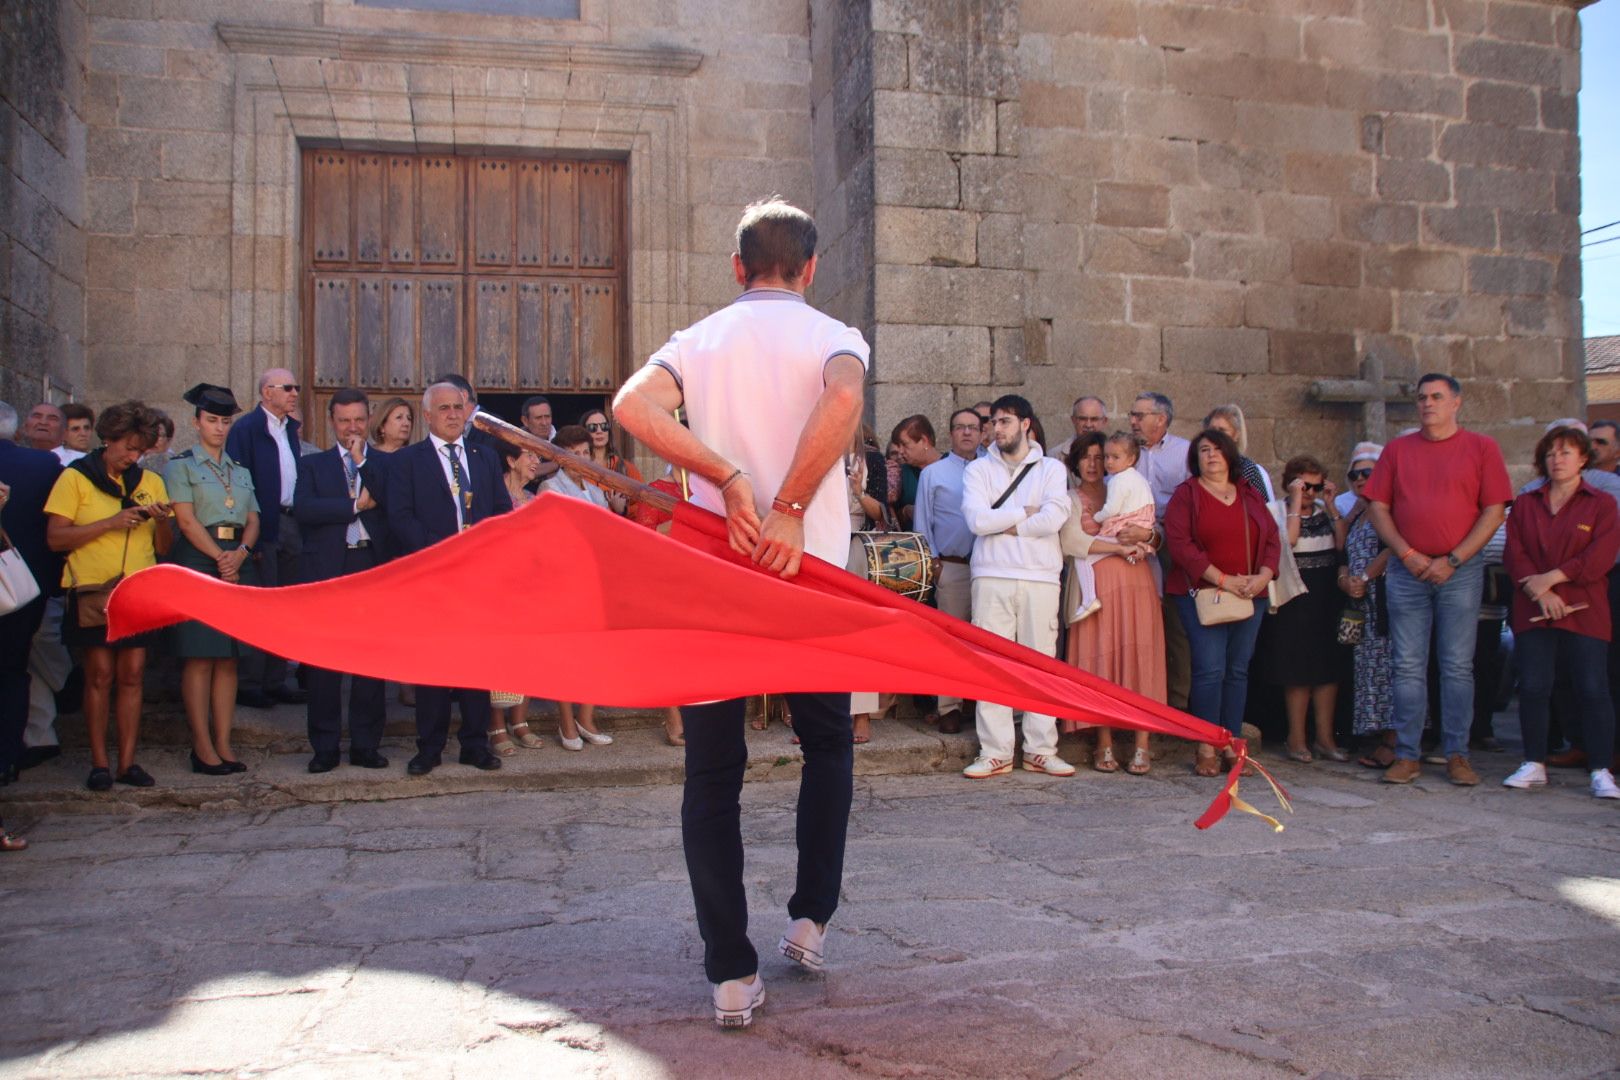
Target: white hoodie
(1034, 554)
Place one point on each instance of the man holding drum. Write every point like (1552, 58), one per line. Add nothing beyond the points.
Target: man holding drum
(773, 393)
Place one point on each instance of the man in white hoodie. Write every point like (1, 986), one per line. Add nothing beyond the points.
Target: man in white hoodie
(1015, 500)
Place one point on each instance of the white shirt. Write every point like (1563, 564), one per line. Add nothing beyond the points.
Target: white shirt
(1165, 467)
(277, 426)
(561, 483)
(449, 478)
(66, 456)
(750, 374)
(356, 532)
(938, 512)
(1128, 492)
(1034, 552)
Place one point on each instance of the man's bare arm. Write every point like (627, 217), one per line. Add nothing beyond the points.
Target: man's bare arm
(829, 431)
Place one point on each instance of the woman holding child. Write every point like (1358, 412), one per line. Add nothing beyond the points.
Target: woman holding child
(1122, 640)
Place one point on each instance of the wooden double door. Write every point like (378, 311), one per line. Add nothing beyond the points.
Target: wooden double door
(509, 270)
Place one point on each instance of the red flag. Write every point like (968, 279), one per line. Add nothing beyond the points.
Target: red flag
(631, 618)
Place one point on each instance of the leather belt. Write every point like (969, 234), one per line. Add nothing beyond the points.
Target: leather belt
(224, 532)
(958, 559)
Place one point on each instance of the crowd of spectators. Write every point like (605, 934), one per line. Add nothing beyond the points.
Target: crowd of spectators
(1369, 616)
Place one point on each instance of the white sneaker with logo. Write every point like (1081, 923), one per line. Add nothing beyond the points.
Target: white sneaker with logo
(1530, 774)
(1051, 766)
(1603, 785)
(985, 767)
(736, 1000)
(805, 944)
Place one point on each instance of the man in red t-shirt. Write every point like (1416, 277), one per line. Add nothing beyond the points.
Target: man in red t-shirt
(1436, 497)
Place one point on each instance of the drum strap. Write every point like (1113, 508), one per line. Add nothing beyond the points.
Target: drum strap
(1019, 479)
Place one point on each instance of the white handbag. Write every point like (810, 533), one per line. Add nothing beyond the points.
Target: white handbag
(17, 585)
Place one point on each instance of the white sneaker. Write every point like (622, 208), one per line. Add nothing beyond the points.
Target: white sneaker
(1087, 612)
(1530, 774)
(735, 1001)
(1051, 766)
(985, 767)
(1603, 786)
(804, 944)
(575, 743)
(595, 738)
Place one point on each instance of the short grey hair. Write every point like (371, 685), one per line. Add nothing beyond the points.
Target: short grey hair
(434, 386)
(1232, 414)
(1079, 401)
(8, 421)
(1161, 404)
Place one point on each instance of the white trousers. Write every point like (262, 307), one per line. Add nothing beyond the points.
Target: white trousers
(953, 592)
(1026, 612)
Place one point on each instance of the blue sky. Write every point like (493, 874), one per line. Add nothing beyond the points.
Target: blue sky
(1600, 164)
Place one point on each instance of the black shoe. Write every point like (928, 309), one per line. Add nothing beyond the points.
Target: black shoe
(291, 695)
(236, 766)
(135, 776)
(198, 765)
(99, 780)
(421, 765)
(484, 759)
(367, 759)
(323, 763)
(37, 755)
(950, 723)
(254, 699)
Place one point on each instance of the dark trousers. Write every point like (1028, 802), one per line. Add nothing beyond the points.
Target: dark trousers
(325, 710)
(1538, 653)
(16, 637)
(433, 719)
(711, 821)
(277, 564)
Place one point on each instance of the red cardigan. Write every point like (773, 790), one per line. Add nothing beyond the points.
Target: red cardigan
(1581, 540)
(1188, 556)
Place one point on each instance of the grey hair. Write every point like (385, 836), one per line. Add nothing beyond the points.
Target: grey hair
(1079, 401)
(434, 386)
(1161, 403)
(8, 421)
(1233, 414)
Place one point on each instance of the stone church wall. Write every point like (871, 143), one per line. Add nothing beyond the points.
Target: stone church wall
(42, 211)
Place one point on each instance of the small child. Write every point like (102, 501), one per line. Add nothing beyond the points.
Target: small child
(1129, 503)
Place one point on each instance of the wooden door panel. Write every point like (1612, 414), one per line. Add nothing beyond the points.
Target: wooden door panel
(493, 341)
(332, 330)
(329, 205)
(371, 332)
(530, 343)
(562, 214)
(530, 214)
(598, 215)
(440, 212)
(403, 373)
(402, 245)
(370, 194)
(439, 326)
(492, 213)
(561, 360)
(598, 320)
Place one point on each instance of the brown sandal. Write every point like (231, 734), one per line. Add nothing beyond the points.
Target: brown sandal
(1103, 760)
(1206, 764)
(1382, 757)
(1140, 763)
(12, 843)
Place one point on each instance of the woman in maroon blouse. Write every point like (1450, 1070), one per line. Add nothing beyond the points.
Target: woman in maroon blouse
(1562, 539)
(1221, 536)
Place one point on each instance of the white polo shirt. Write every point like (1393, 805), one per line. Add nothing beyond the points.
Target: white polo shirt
(750, 374)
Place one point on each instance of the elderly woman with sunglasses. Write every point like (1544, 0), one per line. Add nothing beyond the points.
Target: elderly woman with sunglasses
(1361, 578)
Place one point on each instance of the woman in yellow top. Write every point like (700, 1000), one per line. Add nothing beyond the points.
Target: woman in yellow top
(217, 516)
(111, 517)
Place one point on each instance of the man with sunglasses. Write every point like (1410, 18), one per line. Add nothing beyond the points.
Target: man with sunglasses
(1605, 436)
(265, 442)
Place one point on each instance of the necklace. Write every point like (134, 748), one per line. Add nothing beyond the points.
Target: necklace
(1227, 497)
(223, 475)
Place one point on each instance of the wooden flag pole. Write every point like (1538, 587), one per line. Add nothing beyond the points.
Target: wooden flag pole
(604, 478)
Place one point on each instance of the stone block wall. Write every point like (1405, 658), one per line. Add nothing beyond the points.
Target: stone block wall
(42, 208)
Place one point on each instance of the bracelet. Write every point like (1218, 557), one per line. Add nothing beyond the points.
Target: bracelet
(732, 479)
(1293, 515)
(1221, 584)
(792, 510)
(1408, 554)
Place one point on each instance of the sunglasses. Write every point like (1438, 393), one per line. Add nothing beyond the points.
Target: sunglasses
(1360, 474)
(290, 387)
(597, 427)
(1313, 487)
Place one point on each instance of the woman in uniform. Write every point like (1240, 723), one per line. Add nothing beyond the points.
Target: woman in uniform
(218, 519)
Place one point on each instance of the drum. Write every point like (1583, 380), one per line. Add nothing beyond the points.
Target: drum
(898, 561)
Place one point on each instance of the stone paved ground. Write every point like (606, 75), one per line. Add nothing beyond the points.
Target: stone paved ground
(1021, 927)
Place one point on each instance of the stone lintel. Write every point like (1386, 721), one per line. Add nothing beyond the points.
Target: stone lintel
(342, 44)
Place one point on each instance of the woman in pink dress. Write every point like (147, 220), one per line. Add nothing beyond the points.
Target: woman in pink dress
(1124, 641)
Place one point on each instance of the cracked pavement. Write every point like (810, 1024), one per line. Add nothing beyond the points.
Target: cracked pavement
(1024, 926)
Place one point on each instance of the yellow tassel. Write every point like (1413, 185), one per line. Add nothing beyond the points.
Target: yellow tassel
(1239, 804)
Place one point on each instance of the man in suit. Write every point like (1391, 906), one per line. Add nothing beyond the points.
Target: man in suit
(473, 435)
(26, 479)
(436, 488)
(265, 442)
(338, 504)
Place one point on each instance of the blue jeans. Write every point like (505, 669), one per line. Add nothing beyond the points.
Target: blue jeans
(1220, 664)
(1585, 663)
(1451, 612)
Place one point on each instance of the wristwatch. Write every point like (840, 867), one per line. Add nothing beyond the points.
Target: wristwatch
(1451, 558)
